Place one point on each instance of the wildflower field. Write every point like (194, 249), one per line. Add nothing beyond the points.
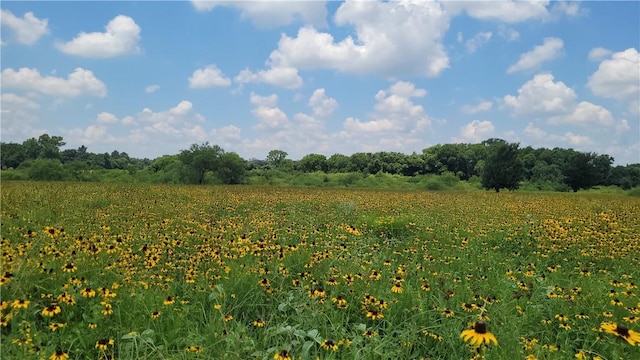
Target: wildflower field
(95, 271)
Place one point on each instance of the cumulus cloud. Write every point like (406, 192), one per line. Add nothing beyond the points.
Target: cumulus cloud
(269, 116)
(270, 101)
(79, 82)
(542, 96)
(513, 11)
(121, 37)
(285, 77)
(321, 104)
(585, 113)
(208, 77)
(106, 118)
(18, 115)
(549, 50)
(480, 107)
(599, 54)
(475, 131)
(394, 111)
(618, 78)
(392, 39)
(273, 13)
(28, 29)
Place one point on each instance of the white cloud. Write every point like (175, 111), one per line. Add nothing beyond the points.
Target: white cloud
(273, 13)
(151, 88)
(106, 118)
(533, 132)
(476, 131)
(508, 11)
(477, 41)
(18, 116)
(549, 50)
(542, 96)
(182, 108)
(27, 29)
(79, 82)
(13, 99)
(269, 101)
(618, 78)
(480, 107)
(322, 105)
(286, 77)
(270, 118)
(575, 139)
(392, 39)
(585, 113)
(599, 54)
(355, 125)
(394, 111)
(121, 37)
(208, 77)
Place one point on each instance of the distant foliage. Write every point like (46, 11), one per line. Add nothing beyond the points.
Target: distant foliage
(492, 164)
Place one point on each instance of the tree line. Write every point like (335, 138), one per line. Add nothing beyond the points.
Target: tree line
(494, 163)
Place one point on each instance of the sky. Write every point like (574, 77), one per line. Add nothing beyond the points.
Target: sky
(324, 77)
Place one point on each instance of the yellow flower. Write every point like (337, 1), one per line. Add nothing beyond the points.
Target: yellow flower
(478, 335)
(258, 323)
(155, 315)
(104, 343)
(282, 355)
(194, 349)
(59, 355)
(56, 326)
(397, 288)
(51, 310)
(630, 336)
(87, 292)
(329, 345)
(20, 303)
(69, 267)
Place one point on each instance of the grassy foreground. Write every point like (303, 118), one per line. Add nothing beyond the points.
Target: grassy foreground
(96, 271)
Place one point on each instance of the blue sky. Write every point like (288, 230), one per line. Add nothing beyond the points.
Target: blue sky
(152, 78)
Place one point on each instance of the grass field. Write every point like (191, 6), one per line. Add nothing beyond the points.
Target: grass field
(94, 271)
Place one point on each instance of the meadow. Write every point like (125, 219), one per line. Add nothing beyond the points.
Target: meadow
(102, 271)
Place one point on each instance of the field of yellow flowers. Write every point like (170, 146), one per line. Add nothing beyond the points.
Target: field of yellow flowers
(95, 271)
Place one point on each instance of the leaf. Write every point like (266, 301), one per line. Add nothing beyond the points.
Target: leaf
(306, 347)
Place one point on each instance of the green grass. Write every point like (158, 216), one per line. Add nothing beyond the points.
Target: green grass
(310, 265)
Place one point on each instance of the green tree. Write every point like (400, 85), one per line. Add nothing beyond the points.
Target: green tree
(12, 155)
(199, 159)
(312, 162)
(276, 158)
(502, 168)
(585, 170)
(232, 168)
(49, 146)
(338, 163)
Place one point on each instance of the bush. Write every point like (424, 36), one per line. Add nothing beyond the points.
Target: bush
(635, 192)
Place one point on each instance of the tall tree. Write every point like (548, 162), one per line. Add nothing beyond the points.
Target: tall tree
(276, 158)
(199, 159)
(502, 168)
(232, 168)
(585, 170)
